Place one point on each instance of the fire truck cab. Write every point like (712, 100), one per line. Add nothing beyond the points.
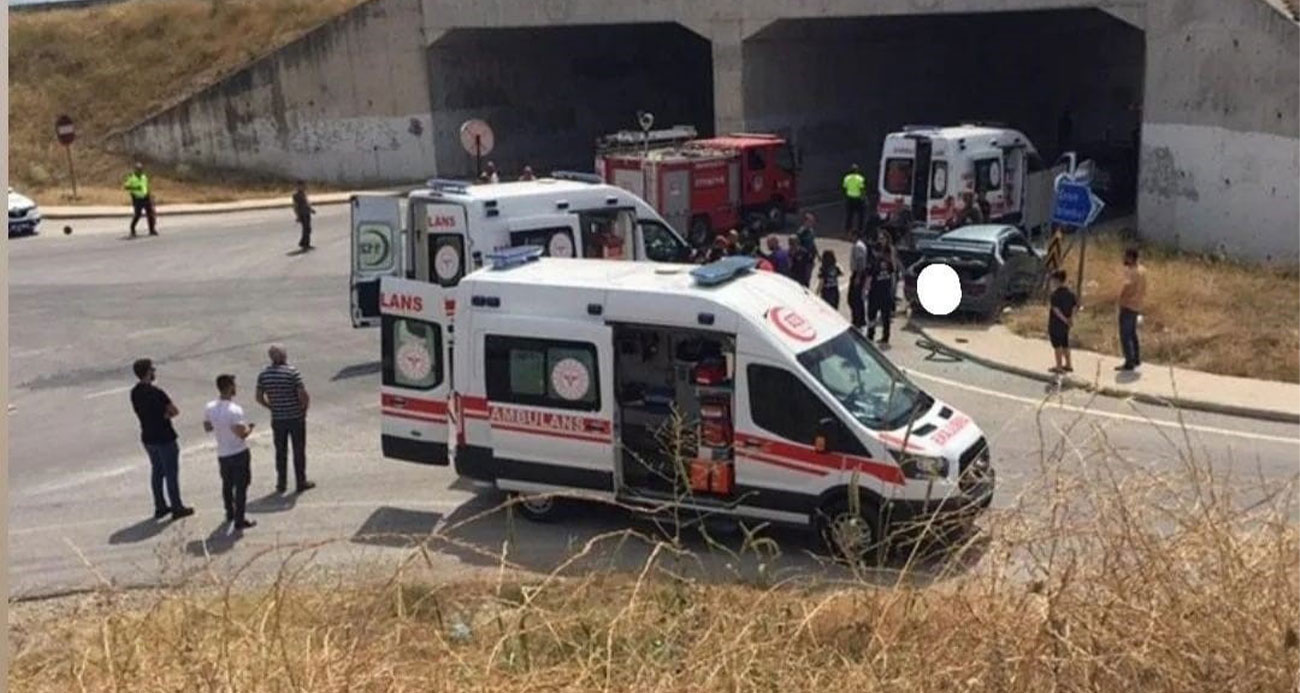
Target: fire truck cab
(925, 169)
(704, 186)
(450, 226)
(713, 389)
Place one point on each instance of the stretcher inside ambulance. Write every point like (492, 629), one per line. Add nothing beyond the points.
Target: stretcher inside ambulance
(714, 389)
(450, 226)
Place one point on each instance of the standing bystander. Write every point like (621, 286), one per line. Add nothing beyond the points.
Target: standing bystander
(280, 389)
(807, 235)
(828, 280)
(883, 289)
(855, 203)
(137, 184)
(1060, 317)
(1131, 299)
(225, 420)
(528, 174)
(155, 410)
(858, 258)
(303, 210)
(778, 256)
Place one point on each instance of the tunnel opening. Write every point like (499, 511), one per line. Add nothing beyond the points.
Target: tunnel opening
(548, 93)
(1068, 79)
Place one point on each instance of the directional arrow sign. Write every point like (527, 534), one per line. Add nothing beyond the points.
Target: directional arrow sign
(1074, 204)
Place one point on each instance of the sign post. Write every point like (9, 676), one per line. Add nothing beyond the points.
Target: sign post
(646, 120)
(67, 133)
(1076, 205)
(476, 137)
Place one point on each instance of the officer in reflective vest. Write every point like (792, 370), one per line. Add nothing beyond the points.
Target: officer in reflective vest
(137, 184)
(855, 203)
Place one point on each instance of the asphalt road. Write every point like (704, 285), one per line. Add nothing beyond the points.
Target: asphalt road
(212, 292)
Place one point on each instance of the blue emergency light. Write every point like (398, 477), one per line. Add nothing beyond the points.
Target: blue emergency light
(723, 270)
(513, 257)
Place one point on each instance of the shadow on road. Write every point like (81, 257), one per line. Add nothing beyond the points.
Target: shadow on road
(273, 503)
(396, 527)
(220, 540)
(358, 370)
(593, 537)
(144, 529)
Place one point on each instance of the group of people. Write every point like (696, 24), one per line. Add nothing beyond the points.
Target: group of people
(279, 389)
(874, 270)
(1062, 308)
(489, 174)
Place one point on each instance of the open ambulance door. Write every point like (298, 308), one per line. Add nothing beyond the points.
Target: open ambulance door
(416, 360)
(377, 251)
(441, 249)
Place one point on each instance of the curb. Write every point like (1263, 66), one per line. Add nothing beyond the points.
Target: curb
(212, 208)
(1119, 392)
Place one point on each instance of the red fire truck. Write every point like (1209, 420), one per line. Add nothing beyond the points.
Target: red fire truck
(704, 186)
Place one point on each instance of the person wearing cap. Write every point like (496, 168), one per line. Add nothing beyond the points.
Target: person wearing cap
(855, 203)
(137, 185)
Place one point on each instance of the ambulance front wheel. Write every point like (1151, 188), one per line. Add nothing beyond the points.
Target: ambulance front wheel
(854, 537)
(538, 508)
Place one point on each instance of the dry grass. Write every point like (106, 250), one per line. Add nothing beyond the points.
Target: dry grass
(110, 66)
(1105, 577)
(1201, 313)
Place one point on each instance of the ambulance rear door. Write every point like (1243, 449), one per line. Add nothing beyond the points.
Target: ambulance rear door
(377, 251)
(440, 237)
(416, 366)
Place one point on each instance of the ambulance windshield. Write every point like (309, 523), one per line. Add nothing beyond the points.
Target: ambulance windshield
(875, 392)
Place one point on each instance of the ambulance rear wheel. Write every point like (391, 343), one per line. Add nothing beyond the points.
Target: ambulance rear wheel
(854, 537)
(700, 232)
(538, 508)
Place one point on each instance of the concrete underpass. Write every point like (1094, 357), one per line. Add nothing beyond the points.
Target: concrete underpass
(550, 92)
(1066, 78)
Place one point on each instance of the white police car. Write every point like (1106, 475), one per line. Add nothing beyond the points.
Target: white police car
(24, 216)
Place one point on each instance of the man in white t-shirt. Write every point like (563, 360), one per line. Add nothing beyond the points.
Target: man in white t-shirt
(226, 420)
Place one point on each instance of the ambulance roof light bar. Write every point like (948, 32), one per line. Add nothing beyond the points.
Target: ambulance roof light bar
(506, 258)
(448, 185)
(724, 270)
(577, 176)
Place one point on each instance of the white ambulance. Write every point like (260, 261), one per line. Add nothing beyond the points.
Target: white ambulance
(925, 169)
(567, 377)
(451, 225)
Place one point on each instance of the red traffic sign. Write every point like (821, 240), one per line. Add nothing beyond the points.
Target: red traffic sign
(65, 130)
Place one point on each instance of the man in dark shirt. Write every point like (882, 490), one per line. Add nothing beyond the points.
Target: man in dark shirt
(280, 389)
(1060, 316)
(155, 410)
(303, 210)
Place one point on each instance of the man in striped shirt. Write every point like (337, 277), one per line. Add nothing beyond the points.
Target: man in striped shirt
(280, 389)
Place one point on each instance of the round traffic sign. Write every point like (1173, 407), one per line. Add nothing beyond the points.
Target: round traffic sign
(65, 130)
(476, 137)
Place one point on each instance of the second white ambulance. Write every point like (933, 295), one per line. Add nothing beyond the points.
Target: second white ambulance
(451, 225)
(714, 389)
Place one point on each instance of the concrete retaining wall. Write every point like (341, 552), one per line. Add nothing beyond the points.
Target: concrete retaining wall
(344, 104)
(1221, 133)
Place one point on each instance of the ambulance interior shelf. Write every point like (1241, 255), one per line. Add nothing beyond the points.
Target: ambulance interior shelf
(675, 394)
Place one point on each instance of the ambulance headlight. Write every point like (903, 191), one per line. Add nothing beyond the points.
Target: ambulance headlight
(923, 467)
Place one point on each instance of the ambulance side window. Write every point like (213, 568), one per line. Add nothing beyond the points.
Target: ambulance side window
(988, 175)
(412, 353)
(782, 405)
(607, 234)
(661, 245)
(898, 176)
(542, 372)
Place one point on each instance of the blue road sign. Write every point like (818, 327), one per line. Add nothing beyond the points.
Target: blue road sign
(1073, 204)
